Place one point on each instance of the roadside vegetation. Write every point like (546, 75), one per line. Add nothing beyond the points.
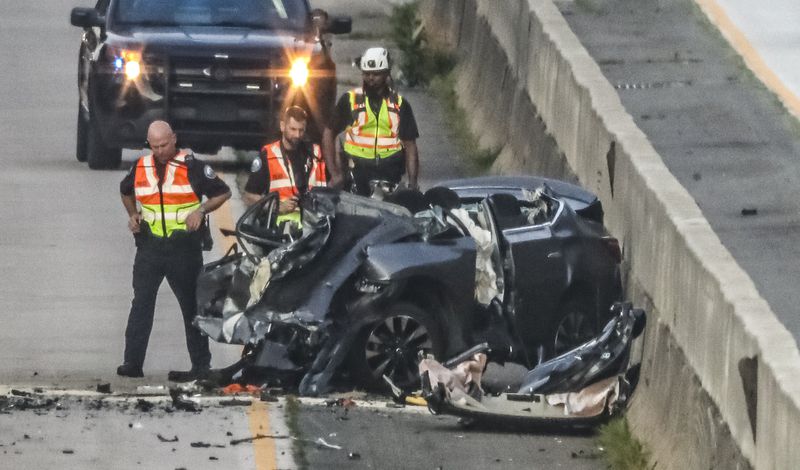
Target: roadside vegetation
(622, 451)
(293, 423)
(422, 65)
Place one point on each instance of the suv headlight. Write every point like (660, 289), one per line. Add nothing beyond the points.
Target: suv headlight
(299, 71)
(126, 61)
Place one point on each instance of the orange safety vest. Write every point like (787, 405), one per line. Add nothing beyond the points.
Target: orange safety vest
(281, 176)
(282, 179)
(165, 209)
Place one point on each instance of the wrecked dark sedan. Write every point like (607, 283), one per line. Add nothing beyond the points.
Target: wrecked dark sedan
(523, 264)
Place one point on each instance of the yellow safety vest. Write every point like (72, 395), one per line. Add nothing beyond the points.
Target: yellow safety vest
(371, 136)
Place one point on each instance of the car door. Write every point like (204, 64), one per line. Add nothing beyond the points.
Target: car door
(539, 270)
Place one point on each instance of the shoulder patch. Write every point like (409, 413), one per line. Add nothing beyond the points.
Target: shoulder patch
(209, 172)
(256, 165)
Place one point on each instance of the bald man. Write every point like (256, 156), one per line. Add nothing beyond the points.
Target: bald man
(167, 195)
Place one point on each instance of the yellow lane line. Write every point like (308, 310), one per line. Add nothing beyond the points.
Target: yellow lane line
(751, 57)
(263, 449)
(258, 413)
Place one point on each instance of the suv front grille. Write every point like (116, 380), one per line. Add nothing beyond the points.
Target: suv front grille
(220, 78)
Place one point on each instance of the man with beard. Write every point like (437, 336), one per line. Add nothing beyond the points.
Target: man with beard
(290, 166)
(380, 130)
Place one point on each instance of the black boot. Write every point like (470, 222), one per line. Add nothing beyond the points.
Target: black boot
(196, 373)
(130, 370)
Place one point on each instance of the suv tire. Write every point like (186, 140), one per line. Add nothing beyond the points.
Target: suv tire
(81, 137)
(98, 155)
(391, 346)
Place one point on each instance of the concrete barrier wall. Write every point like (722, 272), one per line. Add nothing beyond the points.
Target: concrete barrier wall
(720, 381)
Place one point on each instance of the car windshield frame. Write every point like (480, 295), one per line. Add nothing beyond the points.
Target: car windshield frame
(287, 15)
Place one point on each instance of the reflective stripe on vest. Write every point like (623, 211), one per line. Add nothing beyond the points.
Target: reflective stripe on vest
(370, 136)
(166, 210)
(283, 181)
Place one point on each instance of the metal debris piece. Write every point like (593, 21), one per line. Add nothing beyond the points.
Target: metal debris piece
(180, 402)
(151, 390)
(104, 388)
(234, 442)
(322, 443)
(143, 405)
(235, 402)
(164, 439)
(354, 456)
(205, 445)
(747, 211)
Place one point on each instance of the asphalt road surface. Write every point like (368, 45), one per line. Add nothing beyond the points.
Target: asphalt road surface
(726, 138)
(66, 258)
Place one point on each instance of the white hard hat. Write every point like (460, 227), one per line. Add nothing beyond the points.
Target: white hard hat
(375, 59)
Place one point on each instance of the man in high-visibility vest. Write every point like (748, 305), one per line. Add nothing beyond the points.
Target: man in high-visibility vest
(163, 196)
(380, 130)
(289, 166)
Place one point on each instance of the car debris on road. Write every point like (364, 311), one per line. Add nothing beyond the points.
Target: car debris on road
(580, 387)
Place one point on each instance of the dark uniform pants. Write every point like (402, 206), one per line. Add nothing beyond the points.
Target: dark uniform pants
(389, 169)
(181, 265)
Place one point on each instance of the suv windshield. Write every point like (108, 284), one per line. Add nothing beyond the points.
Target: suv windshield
(271, 14)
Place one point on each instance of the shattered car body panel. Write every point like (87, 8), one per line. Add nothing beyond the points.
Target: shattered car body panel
(368, 285)
(580, 387)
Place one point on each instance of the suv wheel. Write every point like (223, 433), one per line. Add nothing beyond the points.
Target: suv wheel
(81, 137)
(98, 155)
(576, 325)
(391, 346)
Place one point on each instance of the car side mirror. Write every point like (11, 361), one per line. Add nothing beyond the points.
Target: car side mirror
(86, 18)
(340, 25)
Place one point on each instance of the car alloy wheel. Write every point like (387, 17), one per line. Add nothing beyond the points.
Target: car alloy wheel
(392, 345)
(575, 328)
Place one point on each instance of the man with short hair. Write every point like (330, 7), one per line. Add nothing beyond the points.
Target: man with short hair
(289, 166)
(380, 130)
(163, 196)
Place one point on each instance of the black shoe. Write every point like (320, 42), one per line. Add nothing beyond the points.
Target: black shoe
(130, 370)
(196, 373)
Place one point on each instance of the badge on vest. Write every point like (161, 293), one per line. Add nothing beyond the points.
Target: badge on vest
(209, 172)
(256, 165)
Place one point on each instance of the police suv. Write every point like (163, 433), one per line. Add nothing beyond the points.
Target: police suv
(219, 71)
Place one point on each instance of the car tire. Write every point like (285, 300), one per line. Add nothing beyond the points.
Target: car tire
(98, 155)
(576, 324)
(391, 346)
(81, 137)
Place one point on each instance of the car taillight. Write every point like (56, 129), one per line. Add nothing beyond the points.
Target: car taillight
(612, 245)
